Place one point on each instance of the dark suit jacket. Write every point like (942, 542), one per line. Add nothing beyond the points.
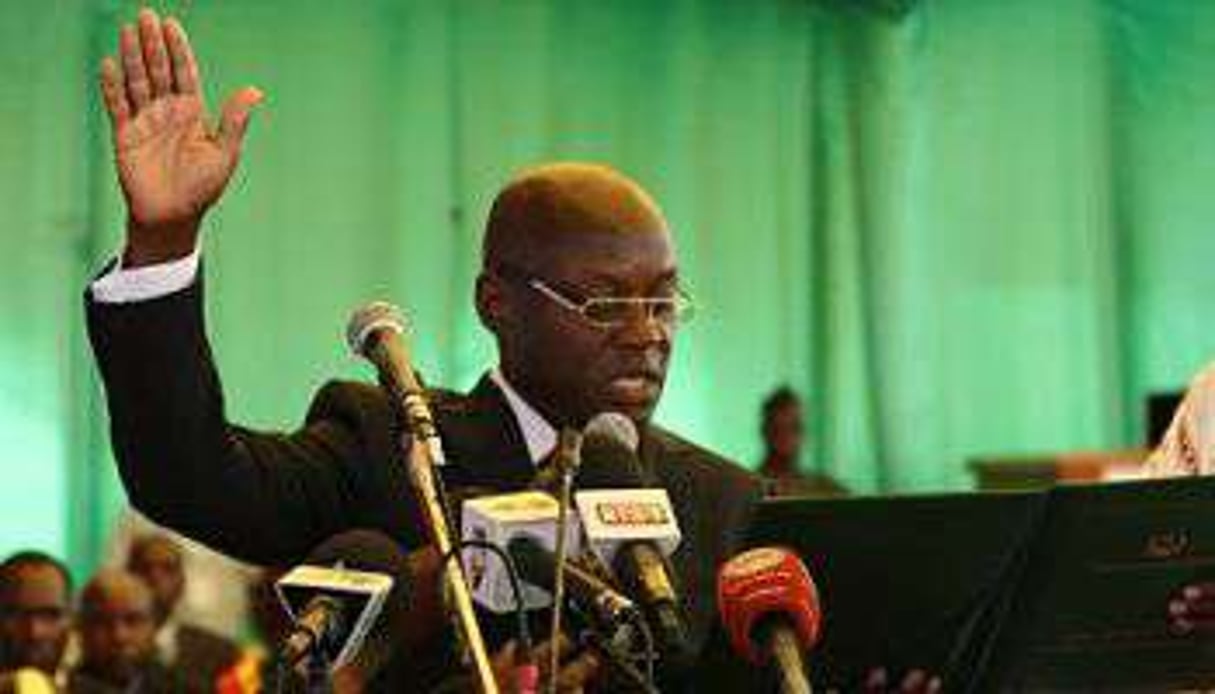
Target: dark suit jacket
(269, 497)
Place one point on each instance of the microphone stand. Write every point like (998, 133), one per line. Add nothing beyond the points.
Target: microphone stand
(570, 445)
(316, 676)
(788, 653)
(423, 449)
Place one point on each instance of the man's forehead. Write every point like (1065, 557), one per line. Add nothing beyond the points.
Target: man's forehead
(568, 205)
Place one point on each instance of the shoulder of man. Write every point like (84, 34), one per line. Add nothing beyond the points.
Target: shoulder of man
(667, 449)
(360, 404)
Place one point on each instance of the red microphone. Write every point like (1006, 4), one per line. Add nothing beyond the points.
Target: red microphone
(770, 610)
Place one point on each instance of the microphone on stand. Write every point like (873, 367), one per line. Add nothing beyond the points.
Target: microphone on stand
(375, 332)
(632, 528)
(336, 599)
(770, 610)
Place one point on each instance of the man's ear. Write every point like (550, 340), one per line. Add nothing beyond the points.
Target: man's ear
(491, 304)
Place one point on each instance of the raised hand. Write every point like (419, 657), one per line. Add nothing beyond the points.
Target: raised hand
(172, 163)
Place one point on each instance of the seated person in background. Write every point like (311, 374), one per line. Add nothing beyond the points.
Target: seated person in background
(783, 431)
(196, 652)
(215, 594)
(1188, 448)
(35, 615)
(118, 652)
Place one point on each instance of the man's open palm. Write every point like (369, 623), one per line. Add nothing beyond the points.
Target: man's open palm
(172, 164)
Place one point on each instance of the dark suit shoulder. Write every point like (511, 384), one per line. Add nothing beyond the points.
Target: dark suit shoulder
(353, 401)
(671, 447)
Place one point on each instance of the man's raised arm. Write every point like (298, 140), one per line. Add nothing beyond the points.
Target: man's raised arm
(263, 497)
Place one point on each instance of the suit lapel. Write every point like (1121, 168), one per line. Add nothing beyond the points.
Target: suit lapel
(483, 441)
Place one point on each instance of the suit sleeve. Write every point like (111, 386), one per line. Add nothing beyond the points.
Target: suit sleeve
(259, 496)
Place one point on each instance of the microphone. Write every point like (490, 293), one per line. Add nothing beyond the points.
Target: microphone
(524, 524)
(770, 610)
(375, 331)
(631, 527)
(335, 600)
(610, 611)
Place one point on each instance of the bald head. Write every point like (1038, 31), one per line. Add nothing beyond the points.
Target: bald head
(552, 205)
(112, 585)
(116, 628)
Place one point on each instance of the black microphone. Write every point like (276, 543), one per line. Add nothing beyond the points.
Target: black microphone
(610, 462)
(609, 610)
(337, 599)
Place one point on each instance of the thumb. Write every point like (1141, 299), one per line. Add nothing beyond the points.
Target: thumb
(234, 118)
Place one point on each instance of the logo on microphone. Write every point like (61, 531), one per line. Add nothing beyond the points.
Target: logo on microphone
(631, 513)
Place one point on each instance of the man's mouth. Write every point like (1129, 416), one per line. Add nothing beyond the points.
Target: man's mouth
(633, 389)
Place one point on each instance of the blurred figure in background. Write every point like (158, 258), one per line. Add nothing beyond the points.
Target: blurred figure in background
(35, 618)
(117, 630)
(783, 430)
(215, 594)
(196, 652)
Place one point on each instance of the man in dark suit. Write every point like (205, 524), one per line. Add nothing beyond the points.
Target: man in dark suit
(579, 286)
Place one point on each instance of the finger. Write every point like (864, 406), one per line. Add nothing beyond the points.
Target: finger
(544, 651)
(913, 681)
(139, 92)
(1199, 591)
(875, 681)
(234, 119)
(578, 673)
(112, 92)
(934, 686)
(155, 55)
(185, 68)
(1204, 608)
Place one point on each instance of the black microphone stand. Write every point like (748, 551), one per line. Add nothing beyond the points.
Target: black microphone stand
(316, 676)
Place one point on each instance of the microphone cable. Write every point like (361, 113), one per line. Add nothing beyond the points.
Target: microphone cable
(522, 630)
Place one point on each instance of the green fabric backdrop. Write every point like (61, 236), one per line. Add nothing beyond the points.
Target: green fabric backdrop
(975, 227)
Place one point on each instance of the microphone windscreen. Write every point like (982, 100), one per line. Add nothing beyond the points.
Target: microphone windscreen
(374, 552)
(367, 319)
(363, 550)
(613, 426)
(609, 454)
(762, 584)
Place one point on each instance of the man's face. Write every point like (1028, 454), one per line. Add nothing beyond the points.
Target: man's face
(34, 618)
(571, 368)
(784, 431)
(158, 562)
(117, 632)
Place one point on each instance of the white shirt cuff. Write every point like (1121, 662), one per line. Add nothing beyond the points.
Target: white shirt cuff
(121, 286)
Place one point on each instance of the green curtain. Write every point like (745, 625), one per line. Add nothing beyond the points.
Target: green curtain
(958, 227)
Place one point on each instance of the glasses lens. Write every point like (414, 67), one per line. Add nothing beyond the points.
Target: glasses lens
(614, 312)
(610, 311)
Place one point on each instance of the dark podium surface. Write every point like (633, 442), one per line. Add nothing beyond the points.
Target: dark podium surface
(1058, 590)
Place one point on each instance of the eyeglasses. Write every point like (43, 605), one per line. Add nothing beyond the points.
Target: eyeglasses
(611, 312)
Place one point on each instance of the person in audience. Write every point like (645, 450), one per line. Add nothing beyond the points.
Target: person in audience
(783, 429)
(198, 653)
(215, 596)
(117, 638)
(35, 615)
